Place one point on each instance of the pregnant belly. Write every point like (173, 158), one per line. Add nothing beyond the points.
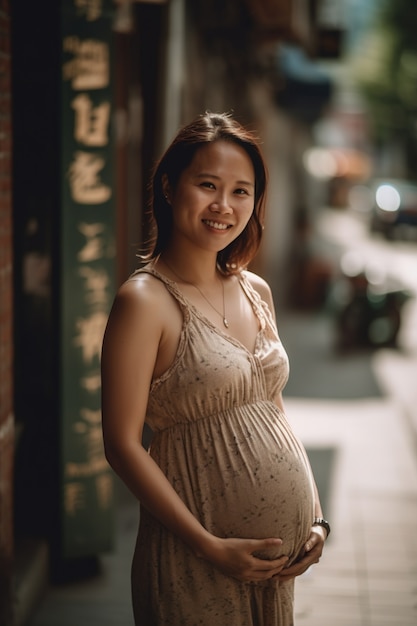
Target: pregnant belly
(245, 476)
(273, 497)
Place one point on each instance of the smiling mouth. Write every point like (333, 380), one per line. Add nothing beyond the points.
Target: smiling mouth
(217, 225)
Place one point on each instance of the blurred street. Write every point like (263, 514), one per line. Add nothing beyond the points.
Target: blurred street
(361, 406)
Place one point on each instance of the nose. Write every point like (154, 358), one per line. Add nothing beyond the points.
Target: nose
(221, 204)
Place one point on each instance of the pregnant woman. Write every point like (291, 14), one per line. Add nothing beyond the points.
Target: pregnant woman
(230, 514)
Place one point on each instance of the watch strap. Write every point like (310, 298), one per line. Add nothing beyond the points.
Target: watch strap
(319, 521)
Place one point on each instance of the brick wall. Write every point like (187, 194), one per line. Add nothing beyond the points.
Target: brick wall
(6, 395)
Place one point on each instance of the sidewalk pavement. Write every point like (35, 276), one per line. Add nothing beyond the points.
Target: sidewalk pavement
(367, 575)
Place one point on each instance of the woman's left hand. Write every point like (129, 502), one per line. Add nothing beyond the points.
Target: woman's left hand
(311, 554)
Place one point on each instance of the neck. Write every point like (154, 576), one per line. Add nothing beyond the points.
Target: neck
(191, 278)
(200, 271)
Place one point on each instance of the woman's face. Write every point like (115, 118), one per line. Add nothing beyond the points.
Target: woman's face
(214, 198)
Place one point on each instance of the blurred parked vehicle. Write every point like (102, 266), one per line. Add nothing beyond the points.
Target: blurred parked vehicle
(367, 304)
(394, 208)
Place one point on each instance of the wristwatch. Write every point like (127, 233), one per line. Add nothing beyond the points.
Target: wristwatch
(319, 521)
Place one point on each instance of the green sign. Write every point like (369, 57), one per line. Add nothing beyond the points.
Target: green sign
(87, 270)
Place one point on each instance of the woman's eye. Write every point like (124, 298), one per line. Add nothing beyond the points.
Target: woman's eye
(241, 192)
(208, 184)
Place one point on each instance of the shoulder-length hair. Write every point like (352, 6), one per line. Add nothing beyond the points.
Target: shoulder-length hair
(205, 129)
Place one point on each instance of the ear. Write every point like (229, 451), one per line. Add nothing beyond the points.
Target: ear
(166, 188)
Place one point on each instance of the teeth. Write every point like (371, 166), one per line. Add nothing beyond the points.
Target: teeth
(216, 225)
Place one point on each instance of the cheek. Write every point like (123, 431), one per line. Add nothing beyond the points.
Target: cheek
(251, 222)
(246, 225)
(247, 215)
(186, 201)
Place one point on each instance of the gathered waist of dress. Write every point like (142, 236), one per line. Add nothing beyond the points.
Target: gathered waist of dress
(248, 410)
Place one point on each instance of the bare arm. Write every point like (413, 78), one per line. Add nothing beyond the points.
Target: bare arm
(131, 348)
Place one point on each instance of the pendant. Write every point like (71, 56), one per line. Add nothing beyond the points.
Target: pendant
(225, 322)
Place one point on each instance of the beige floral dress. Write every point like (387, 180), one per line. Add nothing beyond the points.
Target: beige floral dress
(232, 457)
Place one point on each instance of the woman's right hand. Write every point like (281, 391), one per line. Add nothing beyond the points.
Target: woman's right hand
(236, 558)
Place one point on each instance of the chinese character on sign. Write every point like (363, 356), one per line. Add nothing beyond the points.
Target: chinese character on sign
(90, 428)
(91, 417)
(89, 69)
(96, 284)
(94, 246)
(91, 382)
(86, 187)
(90, 8)
(74, 498)
(90, 335)
(104, 486)
(91, 123)
(94, 443)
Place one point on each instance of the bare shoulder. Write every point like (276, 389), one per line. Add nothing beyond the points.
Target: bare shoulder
(137, 291)
(142, 289)
(139, 301)
(260, 285)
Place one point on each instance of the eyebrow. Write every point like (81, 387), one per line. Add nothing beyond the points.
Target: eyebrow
(238, 182)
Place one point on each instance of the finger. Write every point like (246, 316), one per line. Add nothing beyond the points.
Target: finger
(262, 569)
(259, 575)
(316, 538)
(299, 567)
(266, 565)
(293, 572)
(312, 542)
(313, 556)
(262, 544)
(305, 561)
(266, 549)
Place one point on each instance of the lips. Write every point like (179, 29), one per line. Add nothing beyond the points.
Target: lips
(217, 225)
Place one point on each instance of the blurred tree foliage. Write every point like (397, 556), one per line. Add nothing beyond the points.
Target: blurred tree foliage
(385, 66)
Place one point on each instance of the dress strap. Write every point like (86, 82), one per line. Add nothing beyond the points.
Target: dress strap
(260, 306)
(169, 284)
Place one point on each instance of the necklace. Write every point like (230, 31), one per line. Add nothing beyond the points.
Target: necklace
(223, 316)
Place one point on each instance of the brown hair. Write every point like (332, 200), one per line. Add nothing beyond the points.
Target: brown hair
(207, 128)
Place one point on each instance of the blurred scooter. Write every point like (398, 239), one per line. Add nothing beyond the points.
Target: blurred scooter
(367, 305)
